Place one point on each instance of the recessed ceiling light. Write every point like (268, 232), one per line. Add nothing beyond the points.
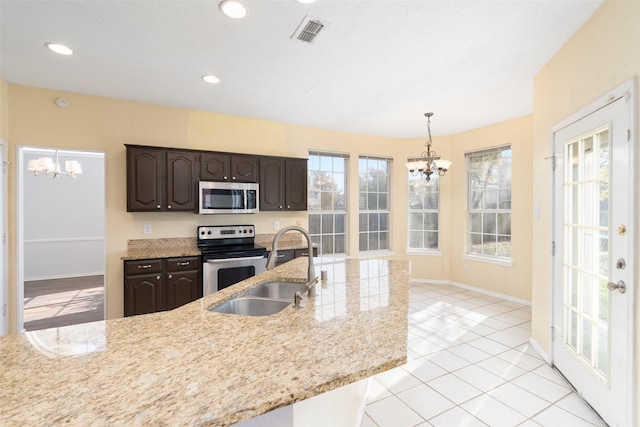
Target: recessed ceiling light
(210, 79)
(305, 1)
(233, 9)
(59, 48)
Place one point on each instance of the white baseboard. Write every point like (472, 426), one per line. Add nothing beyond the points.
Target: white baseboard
(476, 289)
(64, 276)
(540, 351)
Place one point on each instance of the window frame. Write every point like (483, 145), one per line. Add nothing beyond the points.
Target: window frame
(369, 212)
(423, 250)
(317, 238)
(497, 211)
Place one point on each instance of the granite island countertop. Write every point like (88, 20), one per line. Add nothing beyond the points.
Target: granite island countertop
(190, 366)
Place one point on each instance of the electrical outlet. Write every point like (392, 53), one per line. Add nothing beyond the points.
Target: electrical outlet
(466, 267)
(147, 229)
(276, 225)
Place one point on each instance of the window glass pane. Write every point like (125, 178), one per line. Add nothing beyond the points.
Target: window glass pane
(415, 222)
(314, 224)
(430, 221)
(327, 224)
(431, 240)
(372, 201)
(384, 222)
(364, 242)
(373, 222)
(364, 222)
(384, 240)
(373, 241)
(327, 244)
(339, 244)
(475, 222)
(340, 223)
(382, 202)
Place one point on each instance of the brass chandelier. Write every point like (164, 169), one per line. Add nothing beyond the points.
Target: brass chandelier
(429, 162)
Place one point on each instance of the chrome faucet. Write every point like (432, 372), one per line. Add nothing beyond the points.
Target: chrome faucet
(273, 256)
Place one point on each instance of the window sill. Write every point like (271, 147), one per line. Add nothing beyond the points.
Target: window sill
(423, 252)
(375, 254)
(488, 260)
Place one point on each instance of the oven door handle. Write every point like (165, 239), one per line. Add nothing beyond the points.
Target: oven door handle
(217, 261)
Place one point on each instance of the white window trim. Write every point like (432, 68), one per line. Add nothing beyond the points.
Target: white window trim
(375, 254)
(505, 262)
(424, 252)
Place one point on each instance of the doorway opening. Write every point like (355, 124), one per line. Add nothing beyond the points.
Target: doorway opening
(61, 237)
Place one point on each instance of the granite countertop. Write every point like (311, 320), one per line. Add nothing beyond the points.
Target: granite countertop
(190, 366)
(185, 246)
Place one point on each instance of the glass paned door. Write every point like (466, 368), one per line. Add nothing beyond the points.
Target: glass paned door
(586, 252)
(593, 232)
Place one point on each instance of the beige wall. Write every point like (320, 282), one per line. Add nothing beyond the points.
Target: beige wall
(514, 280)
(104, 124)
(602, 55)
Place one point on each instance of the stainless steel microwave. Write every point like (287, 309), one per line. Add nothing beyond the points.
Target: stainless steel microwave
(227, 197)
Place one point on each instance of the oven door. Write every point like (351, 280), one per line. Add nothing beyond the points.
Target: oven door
(218, 274)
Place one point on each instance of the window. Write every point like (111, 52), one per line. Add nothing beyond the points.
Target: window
(374, 203)
(489, 203)
(424, 213)
(327, 201)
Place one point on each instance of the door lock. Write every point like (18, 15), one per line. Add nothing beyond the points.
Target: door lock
(621, 264)
(620, 286)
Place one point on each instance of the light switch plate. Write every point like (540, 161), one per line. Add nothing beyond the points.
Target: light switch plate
(147, 229)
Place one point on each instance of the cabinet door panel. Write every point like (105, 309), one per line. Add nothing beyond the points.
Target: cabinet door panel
(244, 169)
(182, 177)
(143, 294)
(296, 184)
(215, 167)
(272, 184)
(182, 288)
(145, 170)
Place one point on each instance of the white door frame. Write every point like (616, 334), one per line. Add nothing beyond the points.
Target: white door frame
(627, 89)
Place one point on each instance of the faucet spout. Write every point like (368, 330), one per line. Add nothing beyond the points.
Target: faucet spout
(273, 256)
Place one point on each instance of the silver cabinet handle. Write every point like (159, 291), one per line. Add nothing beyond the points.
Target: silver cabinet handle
(280, 206)
(288, 207)
(233, 177)
(157, 277)
(281, 255)
(171, 276)
(158, 206)
(144, 266)
(169, 206)
(224, 177)
(184, 263)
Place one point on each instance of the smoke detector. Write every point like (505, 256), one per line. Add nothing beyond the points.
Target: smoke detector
(308, 29)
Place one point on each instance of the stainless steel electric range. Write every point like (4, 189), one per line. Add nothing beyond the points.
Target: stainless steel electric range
(229, 255)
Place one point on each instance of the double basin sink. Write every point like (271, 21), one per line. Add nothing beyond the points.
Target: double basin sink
(264, 299)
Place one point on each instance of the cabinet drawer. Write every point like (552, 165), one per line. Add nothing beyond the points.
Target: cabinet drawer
(183, 264)
(143, 266)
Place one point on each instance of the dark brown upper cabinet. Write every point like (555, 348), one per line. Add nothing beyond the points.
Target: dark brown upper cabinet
(161, 180)
(228, 167)
(283, 184)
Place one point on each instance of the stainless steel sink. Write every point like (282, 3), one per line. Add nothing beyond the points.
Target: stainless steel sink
(278, 290)
(248, 306)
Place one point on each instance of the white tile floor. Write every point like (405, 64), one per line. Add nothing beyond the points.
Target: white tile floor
(470, 364)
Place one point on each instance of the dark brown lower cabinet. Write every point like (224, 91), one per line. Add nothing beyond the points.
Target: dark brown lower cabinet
(161, 284)
(286, 255)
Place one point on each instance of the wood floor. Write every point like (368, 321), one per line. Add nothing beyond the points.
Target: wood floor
(61, 302)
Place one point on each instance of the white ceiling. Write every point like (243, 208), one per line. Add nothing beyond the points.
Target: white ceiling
(375, 68)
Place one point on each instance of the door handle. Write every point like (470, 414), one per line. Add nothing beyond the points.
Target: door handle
(620, 286)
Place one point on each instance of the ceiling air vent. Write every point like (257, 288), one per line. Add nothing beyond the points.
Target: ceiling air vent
(308, 29)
